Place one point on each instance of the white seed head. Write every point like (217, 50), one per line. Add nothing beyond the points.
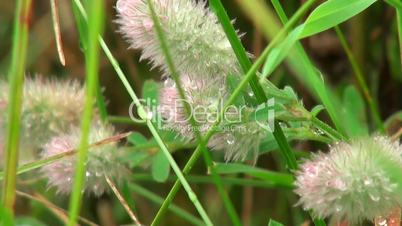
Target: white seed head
(351, 182)
(103, 160)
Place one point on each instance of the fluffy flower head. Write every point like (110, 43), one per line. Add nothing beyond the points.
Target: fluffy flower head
(49, 108)
(195, 39)
(351, 182)
(236, 138)
(102, 161)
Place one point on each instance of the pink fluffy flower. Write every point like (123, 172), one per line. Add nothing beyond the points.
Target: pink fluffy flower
(194, 37)
(103, 160)
(353, 182)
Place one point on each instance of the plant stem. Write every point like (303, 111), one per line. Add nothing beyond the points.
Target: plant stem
(180, 176)
(38, 198)
(136, 101)
(250, 73)
(360, 79)
(122, 201)
(237, 47)
(333, 134)
(174, 73)
(57, 34)
(311, 78)
(95, 26)
(16, 77)
(158, 200)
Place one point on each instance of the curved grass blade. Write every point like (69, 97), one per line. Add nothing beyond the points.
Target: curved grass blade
(95, 27)
(331, 13)
(16, 77)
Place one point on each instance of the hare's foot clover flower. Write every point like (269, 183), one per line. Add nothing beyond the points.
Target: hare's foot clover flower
(194, 37)
(49, 107)
(236, 136)
(353, 181)
(103, 160)
(204, 98)
(203, 57)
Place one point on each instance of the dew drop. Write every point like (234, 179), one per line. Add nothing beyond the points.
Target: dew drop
(251, 94)
(283, 125)
(148, 25)
(368, 182)
(375, 198)
(230, 139)
(382, 221)
(87, 174)
(150, 115)
(338, 208)
(169, 83)
(121, 5)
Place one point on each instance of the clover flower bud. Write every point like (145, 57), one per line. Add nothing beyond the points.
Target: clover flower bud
(352, 182)
(102, 160)
(194, 37)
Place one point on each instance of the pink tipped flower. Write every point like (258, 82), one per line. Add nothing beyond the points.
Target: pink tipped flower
(203, 97)
(353, 181)
(194, 37)
(103, 160)
(236, 138)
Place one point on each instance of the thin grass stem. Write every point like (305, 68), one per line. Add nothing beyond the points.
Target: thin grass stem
(95, 27)
(361, 81)
(16, 77)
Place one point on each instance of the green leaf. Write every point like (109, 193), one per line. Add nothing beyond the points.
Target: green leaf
(354, 112)
(332, 13)
(274, 223)
(317, 109)
(150, 91)
(233, 82)
(281, 51)
(82, 27)
(137, 138)
(282, 179)
(135, 158)
(160, 167)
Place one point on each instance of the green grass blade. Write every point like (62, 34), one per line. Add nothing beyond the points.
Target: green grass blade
(360, 79)
(95, 27)
(16, 77)
(159, 200)
(281, 179)
(140, 108)
(398, 7)
(237, 46)
(169, 60)
(310, 76)
(229, 181)
(83, 37)
(331, 13)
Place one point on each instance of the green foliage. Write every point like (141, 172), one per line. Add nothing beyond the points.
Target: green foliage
(354, 111)
(331, 13)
